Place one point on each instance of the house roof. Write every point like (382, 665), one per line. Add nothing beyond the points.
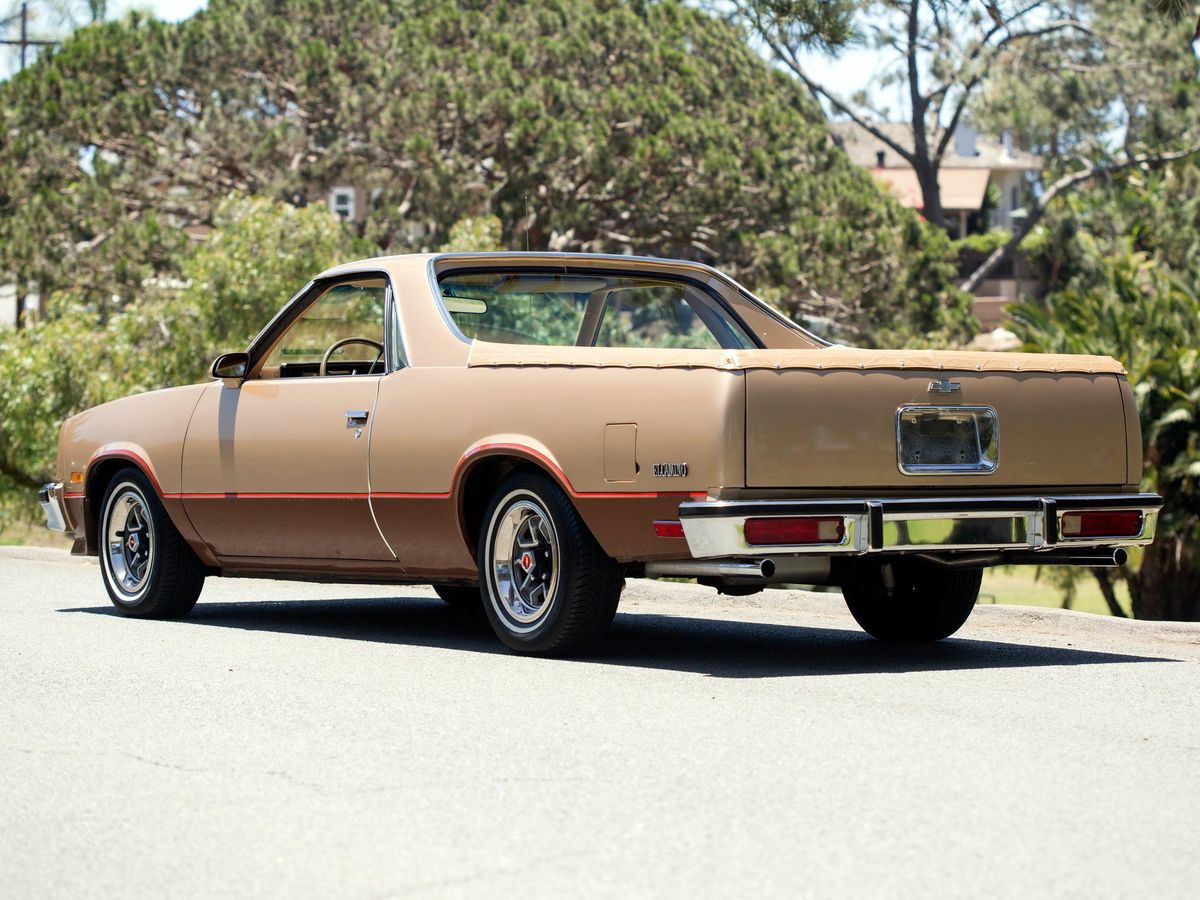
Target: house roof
(961, 188)
(863, 148)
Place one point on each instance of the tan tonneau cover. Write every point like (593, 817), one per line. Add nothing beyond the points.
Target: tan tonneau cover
(484, 353)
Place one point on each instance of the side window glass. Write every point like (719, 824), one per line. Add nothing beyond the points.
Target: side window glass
(518, 309)
(653, 315)
(347, 319)
(588, 308)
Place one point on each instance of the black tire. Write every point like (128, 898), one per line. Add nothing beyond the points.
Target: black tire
(167, 585)
(459, 597)
(580, 583)
(907, 600)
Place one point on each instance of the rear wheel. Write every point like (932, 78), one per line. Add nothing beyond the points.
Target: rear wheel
(908, 600)
(148, 568)
(548, 587)
(458, 596)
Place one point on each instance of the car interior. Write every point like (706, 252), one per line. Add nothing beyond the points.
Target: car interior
(589, 310)
(341, 332)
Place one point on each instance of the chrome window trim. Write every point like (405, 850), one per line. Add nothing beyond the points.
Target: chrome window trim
(435, 288)
(987, 465)
(735, 324)
(310, 294)
(397, 357)
(564, 259)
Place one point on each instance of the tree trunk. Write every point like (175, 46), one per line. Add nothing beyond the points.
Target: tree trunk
(1167, 585)
(1109, 592)
(931, 193)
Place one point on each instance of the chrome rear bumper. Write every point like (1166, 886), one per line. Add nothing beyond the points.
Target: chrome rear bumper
(51, 498)
(716, 528)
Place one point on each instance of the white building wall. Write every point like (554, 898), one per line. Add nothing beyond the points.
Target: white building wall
(1010, 184)
(8, 305)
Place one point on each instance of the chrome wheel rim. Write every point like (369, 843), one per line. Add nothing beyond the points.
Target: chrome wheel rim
(524, 563)
(129, 542)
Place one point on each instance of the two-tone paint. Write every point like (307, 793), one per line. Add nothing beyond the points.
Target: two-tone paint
(271, 475)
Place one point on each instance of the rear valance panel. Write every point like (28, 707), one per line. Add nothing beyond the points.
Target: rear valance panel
(820, 429)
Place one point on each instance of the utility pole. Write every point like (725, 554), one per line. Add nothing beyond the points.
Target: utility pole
(24, 42)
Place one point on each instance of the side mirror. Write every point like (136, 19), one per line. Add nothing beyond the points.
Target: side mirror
(231, 368)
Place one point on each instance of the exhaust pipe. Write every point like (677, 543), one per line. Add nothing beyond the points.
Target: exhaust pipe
(1099, 559)
(763, 570)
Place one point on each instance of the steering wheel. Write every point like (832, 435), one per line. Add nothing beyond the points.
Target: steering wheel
(350, 340)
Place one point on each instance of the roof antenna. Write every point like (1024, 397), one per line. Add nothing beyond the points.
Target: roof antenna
(528, 223)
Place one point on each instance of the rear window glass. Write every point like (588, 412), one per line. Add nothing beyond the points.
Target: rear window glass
(587, 309)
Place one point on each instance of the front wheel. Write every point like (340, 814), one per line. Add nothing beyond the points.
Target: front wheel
(548, 587)
(909, 600)
(458, 596)
(148, 568)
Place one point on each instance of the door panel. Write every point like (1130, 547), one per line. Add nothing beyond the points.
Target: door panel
(275, 469)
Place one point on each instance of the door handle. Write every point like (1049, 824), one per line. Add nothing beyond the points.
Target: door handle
(356, 418)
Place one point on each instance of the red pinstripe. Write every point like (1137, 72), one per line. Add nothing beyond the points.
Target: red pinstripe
(389, 495)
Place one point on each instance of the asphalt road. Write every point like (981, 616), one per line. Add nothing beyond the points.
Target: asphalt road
(308, 741)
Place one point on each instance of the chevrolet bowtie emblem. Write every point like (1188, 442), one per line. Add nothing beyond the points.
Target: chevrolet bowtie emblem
(945, 386)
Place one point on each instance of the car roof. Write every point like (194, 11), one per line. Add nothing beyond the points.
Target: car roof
(421, 260)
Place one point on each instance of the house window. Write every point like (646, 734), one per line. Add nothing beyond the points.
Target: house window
(1014, 198)
(341, 201)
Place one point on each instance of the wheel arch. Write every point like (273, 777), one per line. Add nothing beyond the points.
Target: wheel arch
(485, 466)
(101, 467)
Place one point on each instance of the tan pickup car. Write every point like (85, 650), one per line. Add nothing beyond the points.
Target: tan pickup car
(523, 431)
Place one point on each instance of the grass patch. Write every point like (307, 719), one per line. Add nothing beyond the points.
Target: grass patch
(1030, 586)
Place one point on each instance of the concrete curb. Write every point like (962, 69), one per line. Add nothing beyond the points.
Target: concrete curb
(1051, 616)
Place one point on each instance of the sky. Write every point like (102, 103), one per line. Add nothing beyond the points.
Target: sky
(168, 10)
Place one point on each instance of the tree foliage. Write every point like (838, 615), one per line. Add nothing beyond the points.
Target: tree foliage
(1069, 74)
(611, 126)
(1149, 318)
(259, 254)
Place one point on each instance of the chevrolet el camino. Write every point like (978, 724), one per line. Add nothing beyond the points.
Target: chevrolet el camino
(525, 431)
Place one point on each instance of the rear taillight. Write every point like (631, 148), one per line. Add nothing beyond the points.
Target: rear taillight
(787, 530)
(1101, 523)
(669, 529)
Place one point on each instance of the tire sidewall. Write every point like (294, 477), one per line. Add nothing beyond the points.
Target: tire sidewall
(927, 604)
(547, 497)
(123, 482)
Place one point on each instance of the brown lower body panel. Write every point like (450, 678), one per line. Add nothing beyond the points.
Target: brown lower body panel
(429, 537)
(337, 535)
(320, 570)
(624, 526)
(426, 533)
(287, 527)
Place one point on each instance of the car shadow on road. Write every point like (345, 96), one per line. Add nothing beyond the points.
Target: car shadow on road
(719, 647)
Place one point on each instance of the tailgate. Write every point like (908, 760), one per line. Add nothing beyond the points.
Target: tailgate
(808, 428)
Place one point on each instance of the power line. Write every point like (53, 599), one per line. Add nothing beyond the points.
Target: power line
(24, 42)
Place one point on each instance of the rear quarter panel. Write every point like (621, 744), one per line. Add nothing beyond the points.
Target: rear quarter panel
(433, 424)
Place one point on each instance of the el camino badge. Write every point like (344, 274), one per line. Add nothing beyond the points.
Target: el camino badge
(670, 470)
